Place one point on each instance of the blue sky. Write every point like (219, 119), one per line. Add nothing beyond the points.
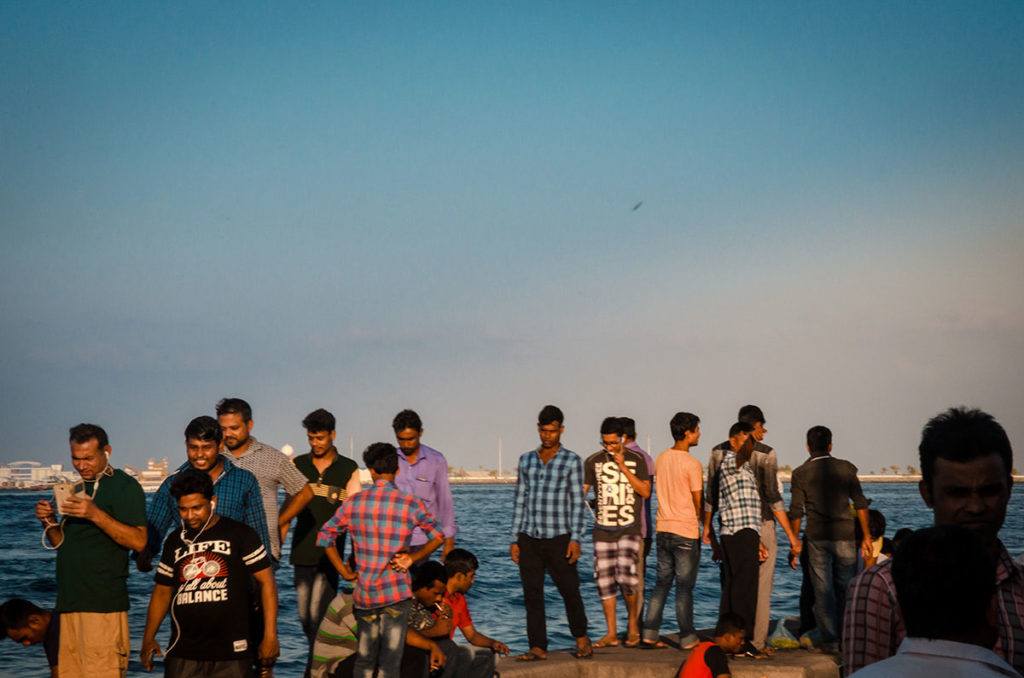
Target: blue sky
(368, 208)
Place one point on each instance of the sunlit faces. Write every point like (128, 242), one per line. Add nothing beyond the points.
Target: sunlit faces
(731, 643)
(611, 442)
(550, 435)
(693, 437)
(195, 510)
(759, 431)
(430, 595)
(409, 441)
(972, 494)
(320, 442)
(460, 582)
(741, 442)
(202, 454)
(235, 429)
(88, 458)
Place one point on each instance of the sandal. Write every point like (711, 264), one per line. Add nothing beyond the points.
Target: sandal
(530, 656)
(585, 651)
(633, 640)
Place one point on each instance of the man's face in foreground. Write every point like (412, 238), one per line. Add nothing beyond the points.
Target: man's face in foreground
(31, 634)
(408, 441)
(195, 510)
(320, 442)
(88, 458)
(759, 431)
(972, 494)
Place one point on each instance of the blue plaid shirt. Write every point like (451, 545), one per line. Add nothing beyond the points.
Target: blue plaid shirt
(549, 497)
(238, 497)
(739, 504)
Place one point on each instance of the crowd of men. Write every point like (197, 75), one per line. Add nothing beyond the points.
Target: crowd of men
(215, 528)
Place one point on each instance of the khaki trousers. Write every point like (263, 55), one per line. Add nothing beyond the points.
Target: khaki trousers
(93, 645)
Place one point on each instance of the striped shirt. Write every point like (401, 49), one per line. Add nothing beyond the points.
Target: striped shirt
(336, 637)
(380, 521)
(873, 624)
(238, 498)
(739, 504)
(272, 470)
(549, 497)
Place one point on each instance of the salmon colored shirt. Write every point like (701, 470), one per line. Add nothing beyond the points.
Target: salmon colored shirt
(679, 475)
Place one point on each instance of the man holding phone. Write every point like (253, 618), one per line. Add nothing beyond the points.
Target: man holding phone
(100, 525)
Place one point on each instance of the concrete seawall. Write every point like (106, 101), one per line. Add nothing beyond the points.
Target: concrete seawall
(625, 662)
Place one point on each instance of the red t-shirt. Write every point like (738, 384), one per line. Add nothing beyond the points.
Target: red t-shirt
(460, 612)
(705, 661)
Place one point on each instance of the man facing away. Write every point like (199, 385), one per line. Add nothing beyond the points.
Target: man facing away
(101, 524)
(822, 488)
(423, 471)
(732, 491)
(203, 579)
(333, 479)
(26, 623)
(680, 493)
(270, 466)
(547, 526)
(966, 461)
(236, 490)
(620, 481)
(765, 465)
(646, 525)
(946, 587)
(380, 521)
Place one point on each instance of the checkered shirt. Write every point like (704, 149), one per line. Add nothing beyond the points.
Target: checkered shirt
(272, 470)
(238, 498)
(873, 623)
(380, 521)
(549, 497)
(739, 504)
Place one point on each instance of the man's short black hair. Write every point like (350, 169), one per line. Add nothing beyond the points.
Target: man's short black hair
(628, 427)
(83, 433)
(611, 425)
(961, 434)
(819, 438)
(550, 415)
(381, 458)
(460, 561)
(204, 428)
(945, 579)
(730, 622)
(751, 414)
(319, 421)
(234, 406)
(406, 419)
(15, 613)
(428, 573)
(740, 427)
(682, 423)
(191, 481)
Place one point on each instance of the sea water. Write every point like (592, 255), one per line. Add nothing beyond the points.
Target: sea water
(496, 600)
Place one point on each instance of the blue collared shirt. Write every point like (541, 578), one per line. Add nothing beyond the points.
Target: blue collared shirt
(238, 497)
(549, 497)
(428, 480)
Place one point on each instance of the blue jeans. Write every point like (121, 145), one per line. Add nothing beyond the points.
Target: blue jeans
(831, 566)
(315, 588)
(381, 632)
(678, 558)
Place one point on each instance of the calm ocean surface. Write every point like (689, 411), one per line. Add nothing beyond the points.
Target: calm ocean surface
(483, 512)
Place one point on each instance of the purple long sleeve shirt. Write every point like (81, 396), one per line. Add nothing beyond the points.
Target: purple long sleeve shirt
(428, 480)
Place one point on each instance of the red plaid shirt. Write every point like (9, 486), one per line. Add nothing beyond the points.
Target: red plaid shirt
(380, 521)
(873, 623)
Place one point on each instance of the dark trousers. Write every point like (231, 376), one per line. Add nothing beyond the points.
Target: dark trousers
(739, 576)
(540, 556)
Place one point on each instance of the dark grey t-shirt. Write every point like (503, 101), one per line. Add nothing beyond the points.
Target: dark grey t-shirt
(822, 488)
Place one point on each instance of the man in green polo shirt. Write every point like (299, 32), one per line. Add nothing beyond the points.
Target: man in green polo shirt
(333, 479)
(101, 523)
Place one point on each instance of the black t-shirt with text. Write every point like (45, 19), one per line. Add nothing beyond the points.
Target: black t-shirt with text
(210, 593)
(617, 507)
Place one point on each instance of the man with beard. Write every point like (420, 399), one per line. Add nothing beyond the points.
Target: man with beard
(333, 479)
(236, 490)
(966, 463)
(270, 466)
(204, 574)
(423, 472)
